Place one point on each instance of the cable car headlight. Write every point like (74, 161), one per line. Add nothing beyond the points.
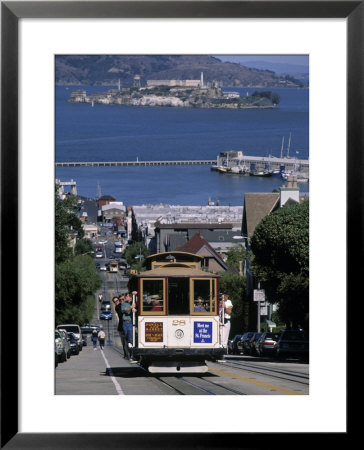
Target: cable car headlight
(179, 334)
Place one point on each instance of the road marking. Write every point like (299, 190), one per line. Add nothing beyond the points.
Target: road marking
(116, 384)
(261, 384)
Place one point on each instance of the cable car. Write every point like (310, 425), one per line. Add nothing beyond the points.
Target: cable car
(178, 326)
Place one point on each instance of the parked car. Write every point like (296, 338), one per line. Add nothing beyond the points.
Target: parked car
(243, 343)
(251, 343)
(66, 342)
(60, 349)
(292, 343)
(106, 304)
(74, 328)
(266, 343)
(55, 354)
(84, 340)
(103, 268)
(87, 328)
(61, 344)
(233, 345)
(106, 314)
(74, 343)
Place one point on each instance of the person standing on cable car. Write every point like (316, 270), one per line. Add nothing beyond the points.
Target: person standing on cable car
(228, 307)
(127, 308)
(118, 301)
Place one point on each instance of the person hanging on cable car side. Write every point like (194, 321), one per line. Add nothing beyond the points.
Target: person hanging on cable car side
(128, 308)
(228, 307)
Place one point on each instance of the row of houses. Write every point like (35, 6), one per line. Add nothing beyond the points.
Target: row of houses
(210, 231)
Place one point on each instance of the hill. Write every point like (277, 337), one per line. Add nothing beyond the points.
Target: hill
(109, 69)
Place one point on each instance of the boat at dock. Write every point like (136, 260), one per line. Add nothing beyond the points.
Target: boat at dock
(261, 173)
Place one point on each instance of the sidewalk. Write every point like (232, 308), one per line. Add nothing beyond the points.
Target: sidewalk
(93, 372)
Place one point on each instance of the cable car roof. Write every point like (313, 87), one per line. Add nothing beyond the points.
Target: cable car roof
(176, 270)
(178, 256)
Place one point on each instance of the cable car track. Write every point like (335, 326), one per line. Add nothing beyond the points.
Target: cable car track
(271, 372)
(177, 383)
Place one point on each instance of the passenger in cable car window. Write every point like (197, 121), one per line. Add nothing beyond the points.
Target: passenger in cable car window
(147, 302)
(206, 305)
(156, 303)
(199, 305)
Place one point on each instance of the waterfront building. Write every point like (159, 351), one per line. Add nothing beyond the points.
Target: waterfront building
(114, 212)
(105, 200)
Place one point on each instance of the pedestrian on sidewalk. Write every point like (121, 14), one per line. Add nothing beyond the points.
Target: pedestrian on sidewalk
(101, 335)
(94, 339)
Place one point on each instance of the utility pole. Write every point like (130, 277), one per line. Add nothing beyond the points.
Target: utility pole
(259, 296)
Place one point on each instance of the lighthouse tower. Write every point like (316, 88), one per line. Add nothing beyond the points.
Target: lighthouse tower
(201, 81)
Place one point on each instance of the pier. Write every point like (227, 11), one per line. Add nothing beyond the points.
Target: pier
(258, 161)
(135, 163)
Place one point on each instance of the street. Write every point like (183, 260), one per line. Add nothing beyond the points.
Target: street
(105, 372)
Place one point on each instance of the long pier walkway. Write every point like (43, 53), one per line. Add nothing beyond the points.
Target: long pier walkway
(135, 163)
(257, 160)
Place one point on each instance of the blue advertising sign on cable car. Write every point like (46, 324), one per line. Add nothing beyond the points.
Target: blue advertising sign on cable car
(202, 332)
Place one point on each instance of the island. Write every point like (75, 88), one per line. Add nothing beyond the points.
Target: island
(177, 93)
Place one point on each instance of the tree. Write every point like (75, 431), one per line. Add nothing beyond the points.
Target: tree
(280, 247)
(236, 257)
(66, 223)
(84, 246)
(234, 285)
(76, 280)
(132, 255)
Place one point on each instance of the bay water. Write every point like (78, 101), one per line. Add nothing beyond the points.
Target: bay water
(126, 133)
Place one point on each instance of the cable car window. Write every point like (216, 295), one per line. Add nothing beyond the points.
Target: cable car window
(153, 296)
(203, 296)
(178, 296)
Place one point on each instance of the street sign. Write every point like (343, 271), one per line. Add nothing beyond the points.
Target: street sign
(259, 295)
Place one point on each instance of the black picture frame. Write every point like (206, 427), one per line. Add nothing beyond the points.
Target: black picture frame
(11, 12)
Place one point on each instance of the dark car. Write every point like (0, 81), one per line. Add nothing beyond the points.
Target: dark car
(292, 343)
(88, 328)
(84, 340)
(105, 304)
(251, 343)
(233, 345)
(266, 343)
(106, 314)
(243, 343)
(74, 343)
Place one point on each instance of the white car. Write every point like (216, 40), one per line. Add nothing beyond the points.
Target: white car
(99, 255)
(103, 268)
